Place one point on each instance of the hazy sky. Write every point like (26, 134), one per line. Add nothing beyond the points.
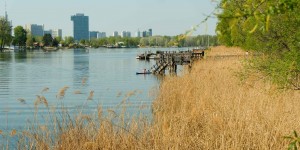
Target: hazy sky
(165, 17)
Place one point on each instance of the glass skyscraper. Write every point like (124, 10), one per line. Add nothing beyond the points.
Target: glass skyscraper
(80, 27)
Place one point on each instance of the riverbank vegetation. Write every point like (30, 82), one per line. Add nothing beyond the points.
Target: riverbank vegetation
(134, 42)
(270, 29)
(207, 108)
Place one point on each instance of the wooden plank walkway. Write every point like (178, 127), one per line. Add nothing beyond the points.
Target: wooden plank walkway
(170, 60)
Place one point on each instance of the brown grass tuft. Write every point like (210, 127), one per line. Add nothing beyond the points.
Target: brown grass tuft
(61, 93)
(77, 92)
(83, 81)
(44, 101)
(46, 89)
(13, 132)
(91, 95)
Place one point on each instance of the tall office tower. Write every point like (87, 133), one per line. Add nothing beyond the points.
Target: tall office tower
(35, 30)
(138, 33)
(144, 34)
(94, 34)
(115, 34)
(101, 35)
(57, 33)
(80, 27)
(128, 34)
(124, 34)
(150, 32)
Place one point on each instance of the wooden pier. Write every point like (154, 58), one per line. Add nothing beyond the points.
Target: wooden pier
(170, 60)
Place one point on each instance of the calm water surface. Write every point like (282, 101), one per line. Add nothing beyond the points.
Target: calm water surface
(110, 73)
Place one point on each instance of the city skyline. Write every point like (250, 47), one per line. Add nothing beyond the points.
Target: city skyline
(166, 17)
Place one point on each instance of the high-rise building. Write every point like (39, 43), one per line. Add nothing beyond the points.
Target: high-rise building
(54, 33)
(101, 35)
(57, 33)
(34, 29)
(80, 27)
(93, 34)
(115, 34)
(48, 32)
(128, 34)
(124, 34)
(6, 18)
(138, 33)
(150, 32)
(144, 34)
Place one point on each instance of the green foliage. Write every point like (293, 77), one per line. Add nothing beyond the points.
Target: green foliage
(5, 33)
(30, 40)
(68, 41)
(47, 40)
(20, 36)
(294, 141)
(268, 27)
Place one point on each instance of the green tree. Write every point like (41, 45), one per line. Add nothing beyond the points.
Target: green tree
(20, 37)
(69, 40)
(5, 33)
(55, 42)
(47, 40)
(30, 40)
(269, 27)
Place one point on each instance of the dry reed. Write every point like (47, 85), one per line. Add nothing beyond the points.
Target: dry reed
(61, 93)
(91, 95)
(46, 89)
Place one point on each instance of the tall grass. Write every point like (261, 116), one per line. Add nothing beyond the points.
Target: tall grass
(207, 108)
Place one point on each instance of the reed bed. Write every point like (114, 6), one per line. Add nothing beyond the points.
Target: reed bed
(207, 108)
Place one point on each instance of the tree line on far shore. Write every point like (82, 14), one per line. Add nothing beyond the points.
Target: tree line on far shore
(23, 40)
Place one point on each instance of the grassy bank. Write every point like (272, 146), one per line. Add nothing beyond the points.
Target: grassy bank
(211, 108)
(207, 108)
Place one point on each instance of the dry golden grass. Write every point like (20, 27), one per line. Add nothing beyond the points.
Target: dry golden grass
(208, 108)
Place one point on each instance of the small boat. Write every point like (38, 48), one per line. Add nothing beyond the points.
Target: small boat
(147, 72)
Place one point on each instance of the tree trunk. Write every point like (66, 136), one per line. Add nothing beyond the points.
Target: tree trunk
(2, 45)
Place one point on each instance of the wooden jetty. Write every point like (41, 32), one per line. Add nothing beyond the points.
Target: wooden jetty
(147, 55)
(170, 60)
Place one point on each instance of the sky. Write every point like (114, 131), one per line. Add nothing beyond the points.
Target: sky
(164, 17)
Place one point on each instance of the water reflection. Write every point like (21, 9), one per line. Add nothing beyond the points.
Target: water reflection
(81, 68)
(5, 74)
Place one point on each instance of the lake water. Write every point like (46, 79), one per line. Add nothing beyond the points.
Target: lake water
(110, 73)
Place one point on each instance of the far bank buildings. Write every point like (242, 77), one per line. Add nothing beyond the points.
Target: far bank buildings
(80, 27)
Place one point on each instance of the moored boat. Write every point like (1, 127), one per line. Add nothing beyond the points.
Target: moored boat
(148, 72)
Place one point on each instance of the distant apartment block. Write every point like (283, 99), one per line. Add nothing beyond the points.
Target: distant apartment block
(34, 29)
(57, 33)
(93, 34)
(54, 33)
(138, 33)
(101, 35)
(150, 32)
(126, 34)
(146, 33)
(115, 34)
(80, 27)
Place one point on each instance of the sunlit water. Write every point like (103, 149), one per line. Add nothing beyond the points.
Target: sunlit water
(110, 73)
